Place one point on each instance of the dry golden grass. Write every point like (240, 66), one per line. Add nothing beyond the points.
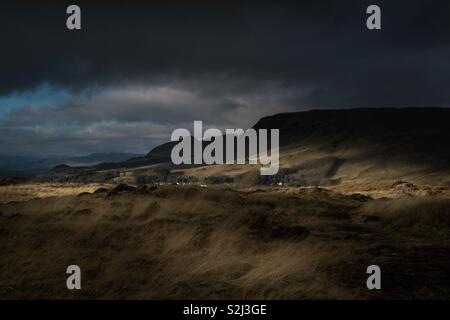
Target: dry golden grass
(27, 191)
(388, 189)
(412, 212)
(210, 243)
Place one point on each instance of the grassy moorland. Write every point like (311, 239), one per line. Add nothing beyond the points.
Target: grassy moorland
(384, 199)
(182, 242)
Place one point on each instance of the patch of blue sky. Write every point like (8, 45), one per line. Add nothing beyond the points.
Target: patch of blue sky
(44, 95)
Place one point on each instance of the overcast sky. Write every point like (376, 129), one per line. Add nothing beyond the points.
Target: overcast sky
(136, 72)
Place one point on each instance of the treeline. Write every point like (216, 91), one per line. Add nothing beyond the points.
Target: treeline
(316, 172)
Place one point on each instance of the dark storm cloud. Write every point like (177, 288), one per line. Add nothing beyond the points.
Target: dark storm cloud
(137, 70)
(323, 44)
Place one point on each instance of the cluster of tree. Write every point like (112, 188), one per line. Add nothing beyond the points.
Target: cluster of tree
(218, 180)
(312, 173)
(296, 179)
(154, 176)
(163, 175)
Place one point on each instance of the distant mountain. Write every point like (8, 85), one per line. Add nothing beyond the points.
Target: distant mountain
(366, 143)
(21, 165)
(416, 131)
(14, 165)
(370, 143)
(96, 158)
(396, 127)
